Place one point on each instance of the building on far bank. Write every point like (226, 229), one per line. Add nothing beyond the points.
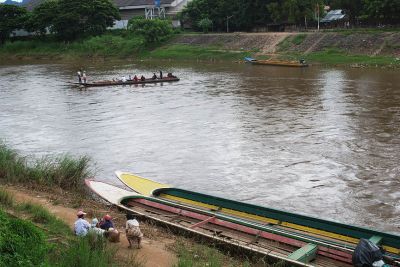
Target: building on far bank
(335, 18)
(149, 9)
(146, 8)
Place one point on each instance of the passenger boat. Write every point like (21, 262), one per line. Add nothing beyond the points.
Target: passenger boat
(274, 62)
(329, 233)
(128, 82)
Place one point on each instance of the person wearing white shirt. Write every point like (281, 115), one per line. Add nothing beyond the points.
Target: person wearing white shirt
(133, 232)
(81, 226)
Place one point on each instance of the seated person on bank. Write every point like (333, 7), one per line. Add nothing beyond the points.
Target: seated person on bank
(106, 223)
(81, 226)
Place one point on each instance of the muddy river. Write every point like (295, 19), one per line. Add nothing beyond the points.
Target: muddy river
(322, 141)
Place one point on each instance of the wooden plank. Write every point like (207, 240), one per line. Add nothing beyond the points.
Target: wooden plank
(202, 222)
(304, 254)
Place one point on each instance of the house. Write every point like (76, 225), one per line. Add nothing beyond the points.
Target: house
(335, 18)
(147, 8)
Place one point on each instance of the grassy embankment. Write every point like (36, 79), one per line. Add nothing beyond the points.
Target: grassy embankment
(36, 237)
(120, 44)
(336, 55)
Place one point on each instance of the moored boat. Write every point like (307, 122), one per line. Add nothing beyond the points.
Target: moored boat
(338, 234)
(274, 62)
(128, 82)
(275, 243)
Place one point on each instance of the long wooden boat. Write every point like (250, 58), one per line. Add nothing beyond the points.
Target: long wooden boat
(275, 62)
(276, 243)
(127, 82)
(330, 232)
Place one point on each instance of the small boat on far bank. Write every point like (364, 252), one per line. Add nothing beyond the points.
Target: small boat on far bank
(274, 62)
(127, 82)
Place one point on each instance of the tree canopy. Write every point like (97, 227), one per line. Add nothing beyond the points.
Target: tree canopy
(12, 18)
(246, 15)
(71, 19)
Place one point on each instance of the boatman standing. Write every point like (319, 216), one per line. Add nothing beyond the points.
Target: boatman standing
(79, 76)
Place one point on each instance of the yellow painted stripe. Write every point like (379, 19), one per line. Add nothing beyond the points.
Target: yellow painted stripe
(141, 185)
(269, 220)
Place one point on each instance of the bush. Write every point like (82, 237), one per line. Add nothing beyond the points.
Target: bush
(21, 243)
(205, 24)
(153, 31)
(6, 199)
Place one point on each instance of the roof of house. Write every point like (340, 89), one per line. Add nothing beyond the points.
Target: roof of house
(334, 15)
(124, 3)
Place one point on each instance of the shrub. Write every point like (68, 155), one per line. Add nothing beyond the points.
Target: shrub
(21, 243)
(153, 31)
(205, 24)
(6, 199)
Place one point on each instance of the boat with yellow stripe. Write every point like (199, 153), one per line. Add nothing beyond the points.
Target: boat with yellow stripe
(329, 231)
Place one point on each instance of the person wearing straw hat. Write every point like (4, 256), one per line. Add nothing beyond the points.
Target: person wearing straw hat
(81, 226)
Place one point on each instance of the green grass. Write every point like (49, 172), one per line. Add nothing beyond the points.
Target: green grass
(192, 52)
(21, 243)
(199, 255)
(298, 39)
(335, 56)
(65, 171)
(6, 199)
(89, 251)
(40, 215)
(106, 45)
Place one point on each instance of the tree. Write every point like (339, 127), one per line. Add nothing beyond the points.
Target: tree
(12, 18)
(153, 31)
(42, 17)
(205, 24)
(76, 18)
(382, 11)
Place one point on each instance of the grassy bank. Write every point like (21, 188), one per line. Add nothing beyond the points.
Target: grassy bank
(337, 47)
(54, 241)
(64, 172)
(41, 239)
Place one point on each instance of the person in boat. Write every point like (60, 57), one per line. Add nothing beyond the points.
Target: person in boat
(84, 76)
(161, 75)
(133, 233)
(135, 78)
(169, 75)
(81, 226)
(106, 223)
(79, 73)
(142, 78)
(123, 79)
(302, 61)
(154, 76)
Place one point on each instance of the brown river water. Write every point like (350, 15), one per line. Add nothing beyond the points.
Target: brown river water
(321, 141)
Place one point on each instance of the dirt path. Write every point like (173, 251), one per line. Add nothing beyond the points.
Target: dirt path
(153, 253)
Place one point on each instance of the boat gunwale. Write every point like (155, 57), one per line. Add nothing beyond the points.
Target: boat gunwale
(128, 82)
(304, 220)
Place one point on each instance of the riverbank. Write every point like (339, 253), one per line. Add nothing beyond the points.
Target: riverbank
(51, 210)
(356, 48)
